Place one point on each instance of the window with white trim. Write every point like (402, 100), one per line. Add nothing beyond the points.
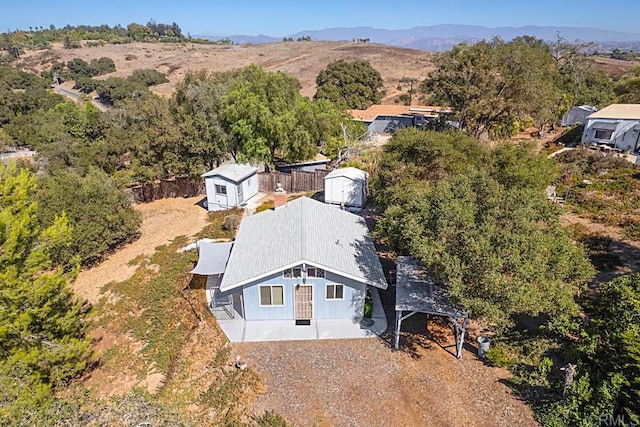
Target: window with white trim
(314, 272)
(272, 295)
(335, 291)
(221, 189)
(292, 273)
(603, 134)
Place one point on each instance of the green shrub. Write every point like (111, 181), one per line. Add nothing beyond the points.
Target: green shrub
(496, 356)
(148, 77)
(99, 213)
(368, 306)
(42, 344)
(115, 89)
(352, 164)
(271, 419)
(85, 84)
(102, 66)
(269, 204)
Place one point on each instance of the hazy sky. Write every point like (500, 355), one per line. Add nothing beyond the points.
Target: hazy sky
(284, 17)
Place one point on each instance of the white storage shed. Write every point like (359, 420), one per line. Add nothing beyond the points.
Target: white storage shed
(347, 188)
(230, 185)
(578, 114)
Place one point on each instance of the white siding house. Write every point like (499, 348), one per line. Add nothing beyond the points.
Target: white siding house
(300, 264)
(577, 114)
(617, 125)
(347, 188)
(230, 185)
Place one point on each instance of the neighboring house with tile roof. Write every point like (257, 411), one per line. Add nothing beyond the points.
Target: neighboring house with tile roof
(389, 118)
(303, 261)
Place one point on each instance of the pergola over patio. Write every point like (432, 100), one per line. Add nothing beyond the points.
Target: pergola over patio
(419, 292)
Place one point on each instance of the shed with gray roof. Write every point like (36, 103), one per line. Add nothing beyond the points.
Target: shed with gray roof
(302, 261)
(230, 185)
(347, 188)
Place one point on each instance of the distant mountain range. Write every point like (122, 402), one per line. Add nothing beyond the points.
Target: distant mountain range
(443, 37)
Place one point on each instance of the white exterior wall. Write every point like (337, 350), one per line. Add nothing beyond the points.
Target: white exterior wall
(249, 187)
(342, 190)
(217, 202)
(625, 133)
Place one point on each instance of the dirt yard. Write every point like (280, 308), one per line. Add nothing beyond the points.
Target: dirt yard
(326, 383)
(616, 68)
(365, 383)
(162, 221)
(304, 60)
(627, 251)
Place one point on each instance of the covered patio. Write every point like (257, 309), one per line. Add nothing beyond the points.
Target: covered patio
(228, 308)
(237, 329)
(419, 292)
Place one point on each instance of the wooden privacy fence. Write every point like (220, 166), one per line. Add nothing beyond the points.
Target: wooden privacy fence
(180, 186)
(293, 182)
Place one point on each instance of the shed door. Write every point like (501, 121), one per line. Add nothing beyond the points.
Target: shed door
(304, 302)
(240, 193)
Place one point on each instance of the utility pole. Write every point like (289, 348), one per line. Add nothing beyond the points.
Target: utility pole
(411, 81)
(410, 91)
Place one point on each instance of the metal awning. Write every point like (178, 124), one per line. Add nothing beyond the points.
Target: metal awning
(419, 292)
(605, 124)
(212, 258)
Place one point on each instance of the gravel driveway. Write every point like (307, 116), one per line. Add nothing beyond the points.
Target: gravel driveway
(362, 382)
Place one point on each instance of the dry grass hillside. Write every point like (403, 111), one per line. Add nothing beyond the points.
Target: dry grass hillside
(616, 68)
(303, 60)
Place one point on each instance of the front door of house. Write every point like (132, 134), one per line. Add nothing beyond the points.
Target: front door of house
(303, 302)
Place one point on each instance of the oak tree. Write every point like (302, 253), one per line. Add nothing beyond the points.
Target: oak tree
(351, 84)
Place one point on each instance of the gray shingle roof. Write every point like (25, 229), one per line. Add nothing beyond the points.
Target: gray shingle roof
(304, 230)
(235, 172)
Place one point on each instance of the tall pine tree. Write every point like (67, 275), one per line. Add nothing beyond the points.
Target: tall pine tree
(42, 343)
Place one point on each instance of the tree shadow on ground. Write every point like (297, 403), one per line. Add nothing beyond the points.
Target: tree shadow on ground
(612, 258)
(535, 396)
(610, 254)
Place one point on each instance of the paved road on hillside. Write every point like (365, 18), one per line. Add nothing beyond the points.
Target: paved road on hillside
(75, 95)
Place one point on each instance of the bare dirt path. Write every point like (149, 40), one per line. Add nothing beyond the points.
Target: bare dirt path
(306, 55)
(594, 227)
(162, 221)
